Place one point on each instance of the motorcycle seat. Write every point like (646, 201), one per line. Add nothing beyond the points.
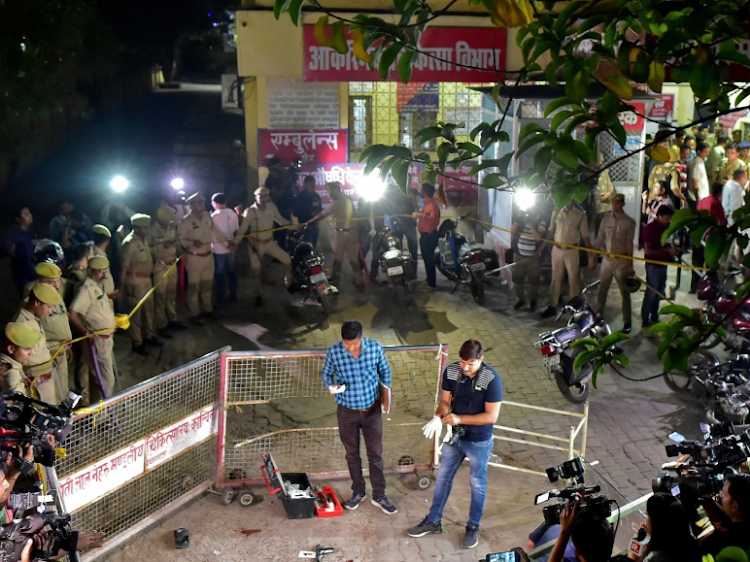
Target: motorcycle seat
(566, 335)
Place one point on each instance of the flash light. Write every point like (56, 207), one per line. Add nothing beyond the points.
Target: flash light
(177, 183)
(119, 184)
(371, 188)
(524, 198)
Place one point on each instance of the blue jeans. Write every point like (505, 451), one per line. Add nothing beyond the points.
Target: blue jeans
(224, 267)
(656, 277)
(478, 454)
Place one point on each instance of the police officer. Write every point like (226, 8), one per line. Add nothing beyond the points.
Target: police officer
(743, 149)
(163, 244)
(57, 325)
(42, 299)
(729, 164)
(195, 233)
(344, 235)
(257, 220)
(91, 314)
(615, 236)
(569, 227)
(137, 265)
(17, 348)
(102, 238)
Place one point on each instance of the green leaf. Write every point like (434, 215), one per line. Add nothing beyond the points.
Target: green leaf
(714, 248)
(373, 155)
(583, 358)
(478, 130)
(428, 134)
(493, 181)
(542, 158)
(565, 156)
(501, 164)
(588, 343)
(622, 359)
(613, 338)
(387, 59)
(404, 65)
(577, 88)
(678, 310)
(556, 104)
(560, 118)
(470, 147)
(529, 129)
(400, 172)
(561, 21)
(680, 220)
(338, 41)
(295, 10)
(279, 7)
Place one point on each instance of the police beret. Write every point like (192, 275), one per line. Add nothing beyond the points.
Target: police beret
(48, 270)
(101, 229)
(262, 191)
(165, 213)
(22, 335)
(195, 197)
(46, 294)
(141, 220)
(98, 262)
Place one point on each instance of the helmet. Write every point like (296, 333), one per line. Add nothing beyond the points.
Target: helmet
(50, 251)
(632, 284)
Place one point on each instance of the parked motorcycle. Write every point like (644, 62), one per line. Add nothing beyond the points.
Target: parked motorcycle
(554, 345)
(722, 388)
(464, 263)
(308, 271)
(720, 305)
(394, 260)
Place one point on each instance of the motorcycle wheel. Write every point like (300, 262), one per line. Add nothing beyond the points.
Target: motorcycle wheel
(579, 392)
(680, 382)
(477, 289)
(325, 302)
(709, 343)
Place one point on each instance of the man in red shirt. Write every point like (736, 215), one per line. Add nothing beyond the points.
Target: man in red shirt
(427, 224)
(712, 204)
(656, 274)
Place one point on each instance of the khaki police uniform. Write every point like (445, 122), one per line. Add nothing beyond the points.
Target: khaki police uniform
(137, 265)
(57, 330)
(195, 235)
(163, 243)
(727, 169)
(254, 222)
(39, 368)
(92, 304)
(109, 283)
(11, 375)
(344, 240)
(569, 226)
(76, 274)
(616, 237)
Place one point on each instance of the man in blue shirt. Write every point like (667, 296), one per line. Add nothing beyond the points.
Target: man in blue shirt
(353, 372)
(470, 398)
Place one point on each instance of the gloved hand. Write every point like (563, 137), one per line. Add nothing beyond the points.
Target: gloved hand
(435, 425)
(336, 388)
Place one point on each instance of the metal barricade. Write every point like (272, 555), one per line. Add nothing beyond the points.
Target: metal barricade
(142, 453)
(275, 402)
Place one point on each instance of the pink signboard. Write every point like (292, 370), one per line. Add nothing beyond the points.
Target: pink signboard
(318, 146)
(448, 54)
(460, 186)
(663, 106)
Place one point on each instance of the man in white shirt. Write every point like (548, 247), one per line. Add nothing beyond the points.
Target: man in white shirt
(732, 198)
(257, 221)
(698, 186)
(226, 221)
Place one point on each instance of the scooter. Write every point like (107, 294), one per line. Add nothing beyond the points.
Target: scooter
(308, 271)
(464, 263)
(584, 322)
(720, 305)
(394, 260)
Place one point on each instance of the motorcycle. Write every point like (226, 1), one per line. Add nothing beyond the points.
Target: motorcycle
(722, 388)
(464, 263)
(720, 305)
(554, 345)
(308, 271)
(394, 260)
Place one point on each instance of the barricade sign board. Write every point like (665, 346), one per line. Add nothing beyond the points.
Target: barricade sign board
(170, 442)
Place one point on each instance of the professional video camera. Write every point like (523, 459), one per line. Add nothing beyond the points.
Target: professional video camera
(55, 528)
(587, 498)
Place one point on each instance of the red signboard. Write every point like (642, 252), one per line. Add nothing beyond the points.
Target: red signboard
(631, 121)
(663, 106)
(460, 186)
(730, 119)
(448, 54)
(319, 146)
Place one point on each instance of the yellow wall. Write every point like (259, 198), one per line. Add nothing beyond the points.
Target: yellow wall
(266, 46)
(684, 104)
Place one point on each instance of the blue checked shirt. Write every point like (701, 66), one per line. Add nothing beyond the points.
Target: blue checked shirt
(361, 376)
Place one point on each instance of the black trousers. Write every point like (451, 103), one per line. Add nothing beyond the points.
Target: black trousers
(369, 424)
(428, 241)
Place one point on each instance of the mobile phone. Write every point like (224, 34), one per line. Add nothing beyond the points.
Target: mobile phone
(508, 556)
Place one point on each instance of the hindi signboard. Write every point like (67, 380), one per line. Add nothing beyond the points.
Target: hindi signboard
(663, 106)
(447, 54)
(313, 146)
(171, 441)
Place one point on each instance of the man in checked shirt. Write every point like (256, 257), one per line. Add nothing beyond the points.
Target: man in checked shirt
(353, 371)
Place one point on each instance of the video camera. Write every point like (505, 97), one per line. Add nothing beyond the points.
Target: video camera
(587, 498)
(55, 528)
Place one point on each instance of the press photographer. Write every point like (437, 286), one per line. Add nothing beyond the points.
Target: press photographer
(668, 535)
(731, 520)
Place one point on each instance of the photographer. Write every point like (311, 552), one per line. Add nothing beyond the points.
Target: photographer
(470, 403)
(734, 502)
(668, 526)
(593, 536)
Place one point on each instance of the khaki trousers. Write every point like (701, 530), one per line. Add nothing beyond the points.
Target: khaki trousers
(142, 321)
(200, 272)
(270, 248)
(165, 296)
(526, 268)
(61, 368)
(619, 270)
(562, 261)
(345, 243)
(103, 348)
(46, 390)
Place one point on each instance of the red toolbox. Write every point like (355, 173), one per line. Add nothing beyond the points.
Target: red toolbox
(328, 504)
(293, 488)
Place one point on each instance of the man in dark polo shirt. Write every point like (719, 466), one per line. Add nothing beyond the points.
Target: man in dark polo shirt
(656, 274)
(427, 224)
(470, 398)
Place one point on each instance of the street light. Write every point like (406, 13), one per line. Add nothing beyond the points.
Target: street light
(119, 184)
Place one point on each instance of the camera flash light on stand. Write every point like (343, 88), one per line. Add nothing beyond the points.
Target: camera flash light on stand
(524, 198)
(177, 183)
(119, 184)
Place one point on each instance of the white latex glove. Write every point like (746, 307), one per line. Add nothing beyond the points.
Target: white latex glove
(336, 388)
(435, 425)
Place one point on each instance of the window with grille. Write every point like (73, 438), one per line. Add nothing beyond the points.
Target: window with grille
(360, 123)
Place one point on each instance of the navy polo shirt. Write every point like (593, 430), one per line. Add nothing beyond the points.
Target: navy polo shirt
(472, 394)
